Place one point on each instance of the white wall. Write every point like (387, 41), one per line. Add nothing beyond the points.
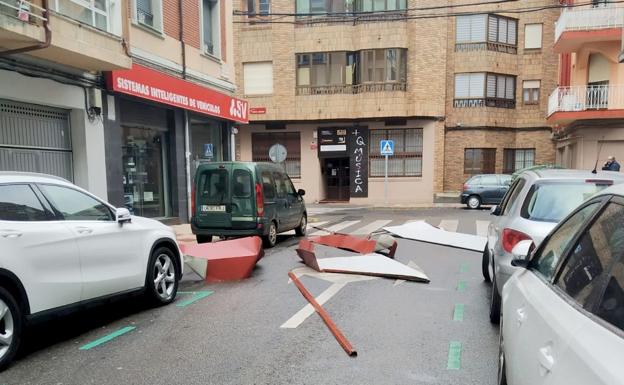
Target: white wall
(87, 137)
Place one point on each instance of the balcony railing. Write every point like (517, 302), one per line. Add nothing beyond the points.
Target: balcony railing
(24, 10)
(583, 98)
(483, 46)
(585, 19)
(331, 89)
(484, 102)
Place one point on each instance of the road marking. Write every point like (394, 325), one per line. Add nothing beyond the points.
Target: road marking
(482, 228)
(449, 225)
(308, 227)
(461, 286)
(454, 356)
(464, 267)
(197, 295)
(107, 338)
(413, 265)
(308, 310)
(371, 227)
(458, 313)
(335, 228)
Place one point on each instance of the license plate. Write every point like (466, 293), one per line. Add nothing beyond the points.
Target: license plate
(212, 209)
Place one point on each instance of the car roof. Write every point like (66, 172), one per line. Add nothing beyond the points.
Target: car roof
(31, 177)
(573, 174)
(617, 189)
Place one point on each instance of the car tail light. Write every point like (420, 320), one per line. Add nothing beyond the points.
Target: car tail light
(259, 200)
(511, 238)
(193, 200)
(465, 187)
(600, 182)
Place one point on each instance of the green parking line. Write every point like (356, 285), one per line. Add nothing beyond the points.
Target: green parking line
(107, 338)
(197, 295)
(461, 286)
(454, 356)
(458, 314)
(464, 267)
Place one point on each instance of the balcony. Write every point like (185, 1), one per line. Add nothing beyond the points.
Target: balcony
(332, 89)
(580, 26)
(484, 102)
(82, 34)
(567, 104)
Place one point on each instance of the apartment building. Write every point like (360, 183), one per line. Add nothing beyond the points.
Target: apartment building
(124, 98)
(587, 109)
(457, 95)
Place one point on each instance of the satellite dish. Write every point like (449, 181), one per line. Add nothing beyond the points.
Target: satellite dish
(277, 153)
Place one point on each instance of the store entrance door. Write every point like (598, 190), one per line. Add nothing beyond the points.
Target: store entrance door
(336, 171)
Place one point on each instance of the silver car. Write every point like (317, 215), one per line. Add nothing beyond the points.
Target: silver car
(536, 201)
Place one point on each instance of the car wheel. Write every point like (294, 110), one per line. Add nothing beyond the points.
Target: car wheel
(495, 302)
(203, 238)
(270, 239)
(502, 368)
(303, 225)
(485, 264)
(162, 276)
(474, 202)
(10, 328)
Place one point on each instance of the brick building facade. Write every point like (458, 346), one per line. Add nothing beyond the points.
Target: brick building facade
(393, 74)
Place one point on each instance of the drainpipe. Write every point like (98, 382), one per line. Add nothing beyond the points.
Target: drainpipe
(48, 35)
(125, 29)
(181, 33)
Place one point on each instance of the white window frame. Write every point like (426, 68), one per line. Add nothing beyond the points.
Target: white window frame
(157, 14)
(89, 5)
(541, 36)
(216, 36)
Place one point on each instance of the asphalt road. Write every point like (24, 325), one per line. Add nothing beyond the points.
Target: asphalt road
(402, 331)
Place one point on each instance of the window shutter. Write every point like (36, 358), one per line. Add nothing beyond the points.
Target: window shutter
(493, 29)
(462, 32)
(478, 28)
(502, 30)
(491, 86)
(531, 84)
(477, 85)
(533, 36)
(462, 85)
(500, 86)
(512, 32)
(510, 89)
(258, 78)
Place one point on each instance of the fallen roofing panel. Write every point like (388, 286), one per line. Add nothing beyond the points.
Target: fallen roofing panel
(423, 231)
(358, 244)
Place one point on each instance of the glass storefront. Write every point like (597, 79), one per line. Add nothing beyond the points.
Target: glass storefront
(206, 141)
(145, 175)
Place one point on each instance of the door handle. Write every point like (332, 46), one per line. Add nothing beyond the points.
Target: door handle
(521, 316)
(546, 360)
(10, 234)
(84, 230)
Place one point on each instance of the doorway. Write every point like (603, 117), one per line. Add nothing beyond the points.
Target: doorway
(336, 171)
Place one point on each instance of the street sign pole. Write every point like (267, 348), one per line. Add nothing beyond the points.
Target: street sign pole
(386, 181)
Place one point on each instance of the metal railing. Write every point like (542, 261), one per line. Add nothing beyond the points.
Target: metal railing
(583, 98)
(24, 10)
(584, 19)
(483, 46)
(331, 89)
(91, 12)
(484, 102)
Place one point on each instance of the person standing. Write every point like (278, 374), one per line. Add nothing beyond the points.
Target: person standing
(611, 164)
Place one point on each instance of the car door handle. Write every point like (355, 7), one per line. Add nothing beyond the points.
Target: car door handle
(546, 360)
(521, 316)
(10, 234)
(84, 230)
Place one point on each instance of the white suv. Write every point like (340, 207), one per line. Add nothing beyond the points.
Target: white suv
(61, 248)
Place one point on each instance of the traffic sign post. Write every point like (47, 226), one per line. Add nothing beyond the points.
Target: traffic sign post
(387, 149)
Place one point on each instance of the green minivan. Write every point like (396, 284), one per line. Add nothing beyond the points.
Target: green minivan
(245, 198)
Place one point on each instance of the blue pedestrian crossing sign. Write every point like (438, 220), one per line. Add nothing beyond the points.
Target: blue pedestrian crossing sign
(387, 147)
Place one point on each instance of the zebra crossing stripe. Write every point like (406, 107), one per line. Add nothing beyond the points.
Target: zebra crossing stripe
(449, 225)
(335, 228)
(373, 226)
(482, 228)
(310, 228)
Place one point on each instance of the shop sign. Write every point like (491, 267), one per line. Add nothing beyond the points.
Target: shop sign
(257, 110)
(332, 142)
(150, 84)
(358, 162)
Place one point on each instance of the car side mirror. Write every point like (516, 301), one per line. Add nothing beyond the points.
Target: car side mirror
(520, 253)
(123, 215)
(496, 210)
(301, 192)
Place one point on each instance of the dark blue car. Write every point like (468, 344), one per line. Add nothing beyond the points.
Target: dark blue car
(486, 189)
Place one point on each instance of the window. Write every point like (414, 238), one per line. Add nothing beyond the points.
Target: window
(242, 189)
(258, 8)
(19, 203)
(74, 205)
(408, 150)
(479, 160)
(531, 92)
(94, 13)
(323, 7)
(148, 13)
(211, 27)
(267, 185)
(533, 36)
(383, 65)
(594, 253)
(261, 143)
(554, 246)
(258, 78)
(213, 187)
(611, 305)
(492, 32)
(489, 180)
(280, 185)
(517, 159)
(484, 90)
(509, 200)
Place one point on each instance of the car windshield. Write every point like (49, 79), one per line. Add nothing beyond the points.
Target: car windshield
(551, 201)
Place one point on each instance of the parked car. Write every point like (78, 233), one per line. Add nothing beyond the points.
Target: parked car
(246, 198)
(535, 203)
(486, 189)
(563, 310)
(63, 248)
